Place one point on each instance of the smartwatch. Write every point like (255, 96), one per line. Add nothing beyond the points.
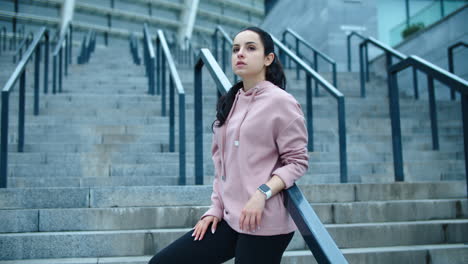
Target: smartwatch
(265, 190)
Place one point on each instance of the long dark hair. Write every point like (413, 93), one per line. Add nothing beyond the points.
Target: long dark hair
(274, 73)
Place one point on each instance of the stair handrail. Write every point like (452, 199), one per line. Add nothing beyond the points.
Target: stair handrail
(163, 57)
(87, 47)
(23, 44)
(432, 72)
(390, 53)
(133, 40)
(226, 39)
(63, 45)
(316, 53)
(149, 58)
(348, 45)
(450, 61)
(333, 91)
(317, 238)
(20, 73)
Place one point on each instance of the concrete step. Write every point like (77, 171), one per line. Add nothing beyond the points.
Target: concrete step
(143, 242)
(439, 253)
(101, 197)
(132, 218)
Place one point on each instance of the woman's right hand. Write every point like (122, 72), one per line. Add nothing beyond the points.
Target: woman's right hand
(202, 226)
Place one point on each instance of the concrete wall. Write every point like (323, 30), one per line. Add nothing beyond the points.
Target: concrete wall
(431, 44)
(324, 23)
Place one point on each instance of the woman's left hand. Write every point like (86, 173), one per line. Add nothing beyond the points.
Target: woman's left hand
(251, 215)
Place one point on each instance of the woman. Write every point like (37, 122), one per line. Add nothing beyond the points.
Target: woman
(259, 148)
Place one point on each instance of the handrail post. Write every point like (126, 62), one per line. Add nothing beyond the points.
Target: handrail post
(60, 70)
(310, 116)
(171, 116)
(215, 44)
(223, 55)
(366, 54)
(450, 65)
(433, 113)
(198, 117)
(334, 75)
(158, 69)
(464, 106)
(415, 83)
(348, 42)
(46, 63)
(361, 69)
(4, 141)
(298, 77)
(36, 79)
(316, 69)
(342, 139)
(70, 46)
(67, 58)
(21, 114)
(54, 74)
(182, 140)
(395, 123)
(163, 86)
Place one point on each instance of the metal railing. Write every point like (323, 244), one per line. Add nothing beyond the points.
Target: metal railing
(432, 72)
(311, 228)
(348, 45)
(133, 40)
(24, 44)
(163, 57)
(450, 62)
(87, 47)
(390, 53)
(60, 59)
(315, 53)
(225, 40)
(148, 59)
(20, 74)
(311, 74)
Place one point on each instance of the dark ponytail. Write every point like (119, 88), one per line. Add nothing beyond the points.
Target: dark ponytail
(274, 73)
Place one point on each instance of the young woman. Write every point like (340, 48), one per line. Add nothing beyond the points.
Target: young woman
(259, 148)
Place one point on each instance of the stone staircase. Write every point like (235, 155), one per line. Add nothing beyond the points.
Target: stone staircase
(92, 184)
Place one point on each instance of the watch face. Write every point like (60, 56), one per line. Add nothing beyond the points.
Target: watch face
(264, 188)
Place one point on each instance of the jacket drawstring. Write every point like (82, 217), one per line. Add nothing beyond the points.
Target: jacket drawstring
(237, 135)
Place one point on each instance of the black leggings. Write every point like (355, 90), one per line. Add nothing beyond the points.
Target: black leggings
(223, 245)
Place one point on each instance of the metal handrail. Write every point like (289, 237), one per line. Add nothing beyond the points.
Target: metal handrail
(62, 46)
(87, 47)
(389, 54)
(319, 241)
(432, 72)
(311, 74)
(164, 56)
(348, 44)
(20, 73)
(316, 53)
(23, 44)
(225, 40)
(149, 58)
(133, 40)
(450, 61)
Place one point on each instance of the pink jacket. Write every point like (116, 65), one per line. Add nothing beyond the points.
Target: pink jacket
(264, 135)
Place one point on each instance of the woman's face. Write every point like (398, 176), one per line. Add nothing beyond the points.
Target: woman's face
(248, 59)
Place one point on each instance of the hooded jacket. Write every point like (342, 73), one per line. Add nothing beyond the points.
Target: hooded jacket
(264, 135)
